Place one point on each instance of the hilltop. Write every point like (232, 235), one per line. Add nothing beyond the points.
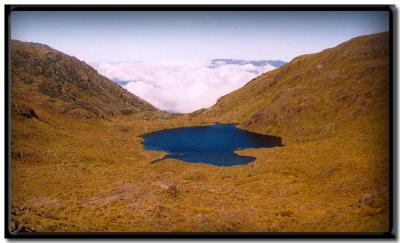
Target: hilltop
(314, 94)
(44, 78)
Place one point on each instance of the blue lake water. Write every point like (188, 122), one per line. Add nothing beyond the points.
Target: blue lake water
(213, 144)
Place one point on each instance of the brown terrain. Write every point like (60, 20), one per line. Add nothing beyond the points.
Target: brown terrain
(78, 163)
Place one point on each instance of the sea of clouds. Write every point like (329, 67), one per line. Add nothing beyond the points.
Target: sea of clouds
(181, 85)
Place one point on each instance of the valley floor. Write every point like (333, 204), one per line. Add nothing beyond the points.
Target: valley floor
(94, 175)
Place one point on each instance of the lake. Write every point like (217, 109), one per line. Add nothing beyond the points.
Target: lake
(213, 144)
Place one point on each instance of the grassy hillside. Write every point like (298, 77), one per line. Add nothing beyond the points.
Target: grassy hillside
(48, 79)
(330, 108)
(316, 94)
(332, 111)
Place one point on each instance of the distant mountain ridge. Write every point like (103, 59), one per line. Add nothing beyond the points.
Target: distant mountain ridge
(258, 63)
(44, 77)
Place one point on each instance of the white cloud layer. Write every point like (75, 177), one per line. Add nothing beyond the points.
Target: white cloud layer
(181, 85)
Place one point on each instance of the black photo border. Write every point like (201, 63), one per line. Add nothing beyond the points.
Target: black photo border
(393, 157)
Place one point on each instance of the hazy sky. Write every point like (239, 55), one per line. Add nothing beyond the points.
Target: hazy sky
(130, 36)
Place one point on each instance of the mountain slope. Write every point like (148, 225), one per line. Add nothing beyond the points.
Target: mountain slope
(332, 175)
(332, 111)
(314, 94)
(44, 77)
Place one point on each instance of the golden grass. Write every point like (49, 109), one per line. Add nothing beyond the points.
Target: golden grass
(332, 175)
(89, 176)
